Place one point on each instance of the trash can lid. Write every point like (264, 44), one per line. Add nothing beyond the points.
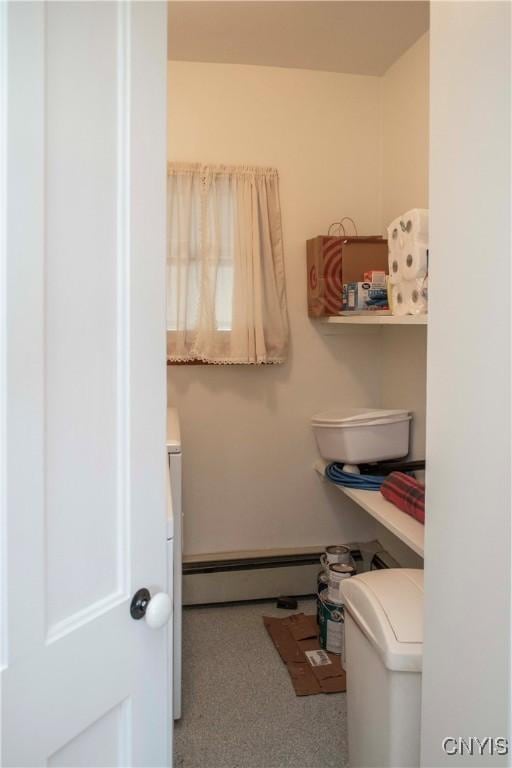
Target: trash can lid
(354, 417)
(387, 606)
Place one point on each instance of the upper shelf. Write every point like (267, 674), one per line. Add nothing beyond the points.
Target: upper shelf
(404, 527)
(375, 320)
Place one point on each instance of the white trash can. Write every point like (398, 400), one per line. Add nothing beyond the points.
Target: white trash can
(383, 661)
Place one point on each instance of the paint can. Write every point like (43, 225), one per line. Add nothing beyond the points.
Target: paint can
(322, 580)
(332, 625)
(338, 572)
(322, 583)
(336, 553)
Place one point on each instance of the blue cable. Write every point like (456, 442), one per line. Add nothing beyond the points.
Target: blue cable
(334, 472)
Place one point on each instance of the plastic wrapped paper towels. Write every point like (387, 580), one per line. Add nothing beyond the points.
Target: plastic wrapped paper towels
(410, 297)
(408, 263)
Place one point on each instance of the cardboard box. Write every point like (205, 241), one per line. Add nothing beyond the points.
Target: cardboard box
(375, 276)
(312, 670)
(332, 261)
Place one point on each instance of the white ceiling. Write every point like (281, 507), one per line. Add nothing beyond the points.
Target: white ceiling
(357, 37)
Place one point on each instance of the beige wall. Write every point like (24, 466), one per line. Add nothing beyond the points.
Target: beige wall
(249, 482)
(248, 479)
(405, 132)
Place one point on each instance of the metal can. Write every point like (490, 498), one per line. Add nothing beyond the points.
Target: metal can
(322, 585)
(322, 580)
(336, 553)
(332, 625)
(338, 572)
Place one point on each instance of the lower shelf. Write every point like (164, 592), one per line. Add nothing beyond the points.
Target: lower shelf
(404, 527)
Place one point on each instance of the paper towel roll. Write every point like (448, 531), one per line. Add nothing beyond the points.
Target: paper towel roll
(415, 223)
(395, 262)
(409, 297)
(393, 230)
(414, 263)
(399, 304)
(396, 249)
(418, 297)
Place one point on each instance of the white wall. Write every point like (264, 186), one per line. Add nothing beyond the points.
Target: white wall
(248, 479)
(405, 129)
(466, 668)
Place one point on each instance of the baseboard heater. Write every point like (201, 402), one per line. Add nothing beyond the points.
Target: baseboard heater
(250, 578)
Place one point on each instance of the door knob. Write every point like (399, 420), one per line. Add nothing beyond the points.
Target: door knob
(156, 610)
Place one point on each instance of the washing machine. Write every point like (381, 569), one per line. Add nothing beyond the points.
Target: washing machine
(175, 553)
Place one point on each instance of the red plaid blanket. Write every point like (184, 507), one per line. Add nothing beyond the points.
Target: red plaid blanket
(405, 493)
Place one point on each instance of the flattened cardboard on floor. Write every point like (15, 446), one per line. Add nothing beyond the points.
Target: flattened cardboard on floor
(311, 669)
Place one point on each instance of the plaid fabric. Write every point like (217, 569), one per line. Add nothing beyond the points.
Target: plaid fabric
(405, 493)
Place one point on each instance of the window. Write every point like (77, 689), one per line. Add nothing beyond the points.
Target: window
(226, 300)
(188, 256)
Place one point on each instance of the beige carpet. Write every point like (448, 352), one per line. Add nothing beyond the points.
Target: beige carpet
(239, 707)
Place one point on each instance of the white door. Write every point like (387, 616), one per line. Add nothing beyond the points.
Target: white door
(82, 355)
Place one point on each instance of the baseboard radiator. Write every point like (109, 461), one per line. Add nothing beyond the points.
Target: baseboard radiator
(249, 578)
(232, 577)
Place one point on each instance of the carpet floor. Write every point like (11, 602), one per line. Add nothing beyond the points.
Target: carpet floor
(239, 707)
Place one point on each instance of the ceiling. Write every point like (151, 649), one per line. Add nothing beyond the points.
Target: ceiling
(356, 37)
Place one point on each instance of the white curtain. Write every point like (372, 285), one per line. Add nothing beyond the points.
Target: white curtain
(226, 297)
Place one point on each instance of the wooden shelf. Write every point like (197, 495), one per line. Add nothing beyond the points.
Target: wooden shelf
(374, 320)
(404, 527)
